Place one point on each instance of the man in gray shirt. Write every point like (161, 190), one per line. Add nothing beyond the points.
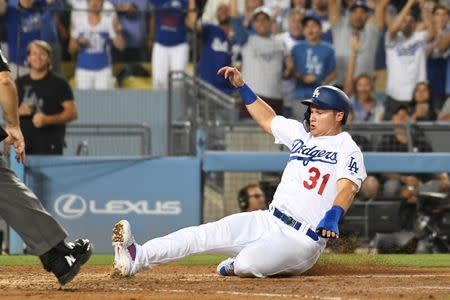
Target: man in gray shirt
(357, 22)
(262, 56)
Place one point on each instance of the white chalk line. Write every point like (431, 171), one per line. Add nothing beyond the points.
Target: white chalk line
(336, 276)
(272, 295)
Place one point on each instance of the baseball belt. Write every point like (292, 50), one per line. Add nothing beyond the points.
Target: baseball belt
(294, 223)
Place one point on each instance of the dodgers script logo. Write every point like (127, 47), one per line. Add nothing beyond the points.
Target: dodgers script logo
(311, 154)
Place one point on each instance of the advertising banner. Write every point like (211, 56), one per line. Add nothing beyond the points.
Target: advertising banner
(89, 195)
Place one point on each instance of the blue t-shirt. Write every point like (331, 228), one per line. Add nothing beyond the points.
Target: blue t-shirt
(96, 55)
(170, 21)
(30, 29)
(318, 60)
(216, 53)
(134, 27)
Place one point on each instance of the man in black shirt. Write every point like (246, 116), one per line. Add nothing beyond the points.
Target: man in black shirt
(21, 209)
(46, 103)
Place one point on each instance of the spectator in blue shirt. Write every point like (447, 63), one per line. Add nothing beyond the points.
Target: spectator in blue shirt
(170, 49)
(133, 16)
(319, 10)
(24, 17)
(314, 60)
(218, 47)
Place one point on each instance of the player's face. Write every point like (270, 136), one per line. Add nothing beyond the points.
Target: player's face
(38, 59)
(256, 199)
(358, 18)
(324, 122)
(262, 24)
(312, 31)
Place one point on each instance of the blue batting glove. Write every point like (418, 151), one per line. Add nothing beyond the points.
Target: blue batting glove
(330, 221)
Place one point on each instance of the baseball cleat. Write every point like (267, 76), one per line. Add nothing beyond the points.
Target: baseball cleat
(124, 249)
(226, 267)
(65, 260)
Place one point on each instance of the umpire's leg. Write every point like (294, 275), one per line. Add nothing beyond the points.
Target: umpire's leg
(24, 212)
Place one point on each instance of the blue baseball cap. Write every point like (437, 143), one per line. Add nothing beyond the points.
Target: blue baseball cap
(306, 19)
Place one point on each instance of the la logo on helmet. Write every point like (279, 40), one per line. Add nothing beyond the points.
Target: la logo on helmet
(316, 93)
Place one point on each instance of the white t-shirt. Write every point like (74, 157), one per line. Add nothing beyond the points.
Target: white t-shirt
(262, 65)
(80, 10)
(308, 186)
(406, 64)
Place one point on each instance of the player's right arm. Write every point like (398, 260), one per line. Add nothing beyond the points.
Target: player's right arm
(260, 111)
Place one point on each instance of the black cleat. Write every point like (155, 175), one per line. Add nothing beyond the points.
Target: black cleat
(65, 260)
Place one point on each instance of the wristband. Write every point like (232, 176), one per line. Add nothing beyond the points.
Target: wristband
(247, 95)
(331, 220)
(335, 213)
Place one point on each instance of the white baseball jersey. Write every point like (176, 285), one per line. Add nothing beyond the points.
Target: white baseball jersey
(306, 191)
(308, 185)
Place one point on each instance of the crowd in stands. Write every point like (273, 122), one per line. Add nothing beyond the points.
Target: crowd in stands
(285, 48)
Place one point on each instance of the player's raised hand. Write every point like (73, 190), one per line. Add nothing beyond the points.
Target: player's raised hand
(233, 75)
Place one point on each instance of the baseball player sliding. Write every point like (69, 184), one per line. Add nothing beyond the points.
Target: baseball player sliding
(324, 172)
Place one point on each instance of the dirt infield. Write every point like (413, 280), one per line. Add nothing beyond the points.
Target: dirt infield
(195, 282)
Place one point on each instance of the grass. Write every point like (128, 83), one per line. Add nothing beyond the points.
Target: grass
(397, 260)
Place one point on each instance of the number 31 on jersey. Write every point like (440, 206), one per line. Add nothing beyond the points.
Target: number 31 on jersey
(314, 180)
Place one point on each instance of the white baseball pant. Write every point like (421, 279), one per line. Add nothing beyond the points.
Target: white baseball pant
(262, 244)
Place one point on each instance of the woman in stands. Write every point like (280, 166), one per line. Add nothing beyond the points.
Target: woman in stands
(90, 40)
(421, 109)
(360, 90)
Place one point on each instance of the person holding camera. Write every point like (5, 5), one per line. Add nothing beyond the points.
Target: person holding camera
(46, 103)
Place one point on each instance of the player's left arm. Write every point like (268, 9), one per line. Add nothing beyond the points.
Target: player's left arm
(350, 176)
(260, 111)
(329, 225)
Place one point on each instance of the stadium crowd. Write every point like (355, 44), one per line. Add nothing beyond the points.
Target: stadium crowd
(284, 48)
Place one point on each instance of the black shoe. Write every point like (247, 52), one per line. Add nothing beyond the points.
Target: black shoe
(64, 260)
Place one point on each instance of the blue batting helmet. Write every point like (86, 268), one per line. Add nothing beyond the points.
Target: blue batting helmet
(328, 97)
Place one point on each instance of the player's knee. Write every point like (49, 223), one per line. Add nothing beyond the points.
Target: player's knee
(245, 269)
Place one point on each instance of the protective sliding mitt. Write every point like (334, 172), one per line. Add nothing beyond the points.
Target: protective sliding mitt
(330, 221)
